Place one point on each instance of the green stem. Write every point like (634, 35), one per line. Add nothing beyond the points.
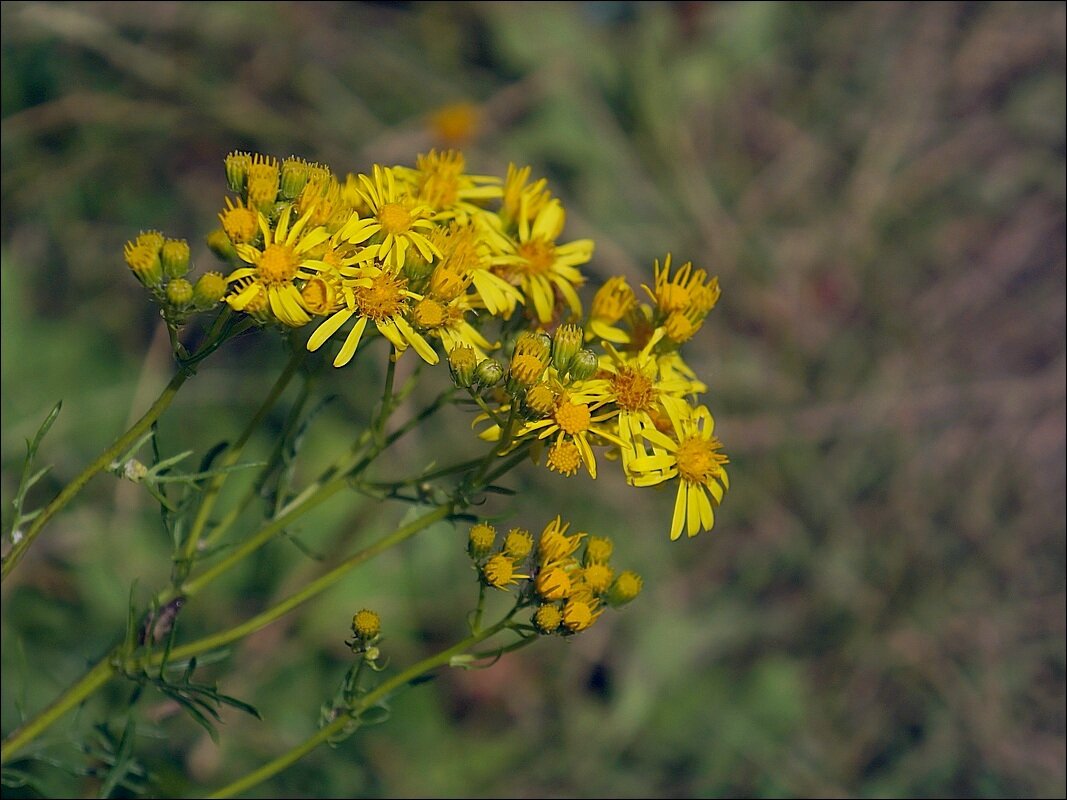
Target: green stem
(223, 525)
(207, 503)
(265, 534)
(103, 461)
(89, 683)
(368, 700)
(314, 588)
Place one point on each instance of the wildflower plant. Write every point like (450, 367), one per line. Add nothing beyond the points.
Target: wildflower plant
(477, 276)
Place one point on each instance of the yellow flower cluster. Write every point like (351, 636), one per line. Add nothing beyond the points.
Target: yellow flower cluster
(567, 592)
(476, 269)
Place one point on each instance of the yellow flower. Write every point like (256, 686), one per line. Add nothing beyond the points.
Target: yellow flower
(499, 572)
(380, 296)
(572, 422)
(465, 259)
(688, 291)
(447, 322)
(540, 267)
(580, 611)
(522, 200)
(692, 456)
(456, 123)
(394, 216)
(555, 546)
(612, 301)
(274, 269)
(366, 624)
(440, 182)
(240, 222)
(639, 388)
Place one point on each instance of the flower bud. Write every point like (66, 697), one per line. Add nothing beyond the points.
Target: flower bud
(237, 165)
(488, 373)
(565, 343)
(462, 362)
(144, 262)
(625, 588)
(220, 245)
(583, 365)
(548, 619)
(366, 625)
(179, 293)
(518, 544)
(208, 290)
(481, 540)
(174, 256)
(294, 176)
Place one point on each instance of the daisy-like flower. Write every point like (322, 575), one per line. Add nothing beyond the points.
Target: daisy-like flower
(540, 267)
(446, 320)
(693, 456)
(639, 388)
(688, 291)
(395, 216)
(571, 424)
(466, 258)
(274, 269)
(379, 296)
(440, 182)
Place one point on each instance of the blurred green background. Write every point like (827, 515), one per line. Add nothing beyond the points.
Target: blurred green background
(880, 610)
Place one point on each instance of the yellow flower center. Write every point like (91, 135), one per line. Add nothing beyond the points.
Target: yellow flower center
(429, 313)
(572, 418)
(499, 571)
(464, 250)
(540, 255)
(698, 459)
(548, 619)
(278, 264)
(564, 457)
(439, 189)
(633, 391)
(384, 298)
(394, 218)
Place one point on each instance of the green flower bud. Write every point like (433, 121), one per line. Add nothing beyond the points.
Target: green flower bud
(488, 373)
(144, 262)
(294, 177)
(180, 293)
(481, 540)
(237, 165)
(565, 343)
(221, 245)
(209, 289)
(175, 258)
(624, 589)
(583, 365)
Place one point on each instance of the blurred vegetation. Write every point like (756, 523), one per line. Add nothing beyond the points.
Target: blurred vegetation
(880, 610)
